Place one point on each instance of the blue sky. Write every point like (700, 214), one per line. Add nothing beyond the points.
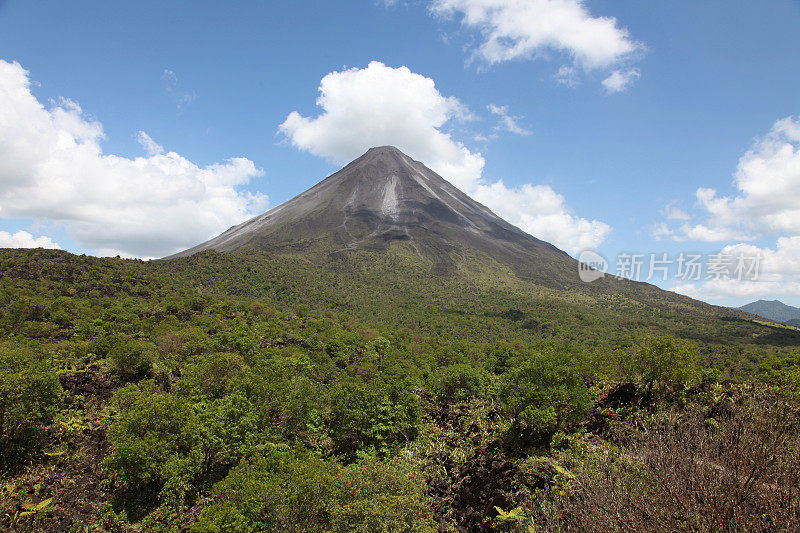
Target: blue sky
(708, 84)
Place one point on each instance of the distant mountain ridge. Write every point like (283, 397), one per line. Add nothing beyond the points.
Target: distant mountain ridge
(774, 310)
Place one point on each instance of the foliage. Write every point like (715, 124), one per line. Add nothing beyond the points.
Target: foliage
(280, 491)
(666, 363)
(366, 419)
(132, 359)
(297, 491)
(460, 382)
(29, 397)
(543, 395)
(156, 444)
(256, 369)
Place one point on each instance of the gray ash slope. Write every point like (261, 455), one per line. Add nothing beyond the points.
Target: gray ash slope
(386, 197)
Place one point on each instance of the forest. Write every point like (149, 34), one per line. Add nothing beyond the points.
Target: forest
(250, 393)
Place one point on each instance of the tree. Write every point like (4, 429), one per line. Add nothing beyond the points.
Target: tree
(666, 363)
(156, 445)
(542, 396)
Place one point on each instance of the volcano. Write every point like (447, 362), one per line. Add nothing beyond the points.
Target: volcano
(383, 198)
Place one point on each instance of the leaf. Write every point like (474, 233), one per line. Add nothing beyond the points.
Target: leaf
(38, 507)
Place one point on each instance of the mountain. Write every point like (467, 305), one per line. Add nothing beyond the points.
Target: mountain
(386, 197)
(387, 240)
(794, 322)
(773, 310)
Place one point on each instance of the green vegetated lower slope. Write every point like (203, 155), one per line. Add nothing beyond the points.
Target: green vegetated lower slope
(361, 392)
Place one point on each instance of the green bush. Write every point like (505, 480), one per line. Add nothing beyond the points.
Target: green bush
(210, 375)
(783, 372)
(298, 491)
(543, 395)
(666, 363)
(155, 444)
(30, 394)
(228, 429)
(365, 419)
(282, 491)
(132, 360)
(456, 383)
(381, 497)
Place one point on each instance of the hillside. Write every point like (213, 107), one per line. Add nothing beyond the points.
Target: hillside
(225, 388)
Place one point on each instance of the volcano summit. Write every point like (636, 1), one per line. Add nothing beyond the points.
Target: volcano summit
(386, 197)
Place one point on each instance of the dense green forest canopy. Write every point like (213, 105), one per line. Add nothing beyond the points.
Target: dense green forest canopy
(270, 392)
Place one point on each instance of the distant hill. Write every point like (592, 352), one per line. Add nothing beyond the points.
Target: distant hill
(774, 310)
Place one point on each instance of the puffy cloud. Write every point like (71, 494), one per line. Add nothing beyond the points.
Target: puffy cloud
(52, 168)
(702, 233)
(525, 29)
(778, 274)
(23, 239)
(505, 121)
(768, 183)
(620, 80)
(766, 205)
(541, 212)
(380, 105)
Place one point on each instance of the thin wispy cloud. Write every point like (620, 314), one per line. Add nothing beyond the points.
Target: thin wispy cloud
(179, 96)
(506, 121)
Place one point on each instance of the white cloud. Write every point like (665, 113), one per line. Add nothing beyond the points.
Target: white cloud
(767, 204)
(526, 29)
(662, 231)
(150, 146)
(768, 199)
(542, 212)
(702, 233)
(23, 239)
(380, 105)
(620, 80)
(507, 122)
(673, 212)
(52, 168)
(778, 274)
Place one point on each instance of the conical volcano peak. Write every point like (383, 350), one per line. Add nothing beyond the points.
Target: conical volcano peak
(383, 163)
(386, 197)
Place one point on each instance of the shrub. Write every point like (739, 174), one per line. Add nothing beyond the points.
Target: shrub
(687, 475)
(210, 375)
(666, 363)
(228, 429)
(132, 360)
(364, 418)
(543, 395)
(457, 383)
(381, 497)
(282, 491)
(298, 491)
(155, 444)
(29, 397)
